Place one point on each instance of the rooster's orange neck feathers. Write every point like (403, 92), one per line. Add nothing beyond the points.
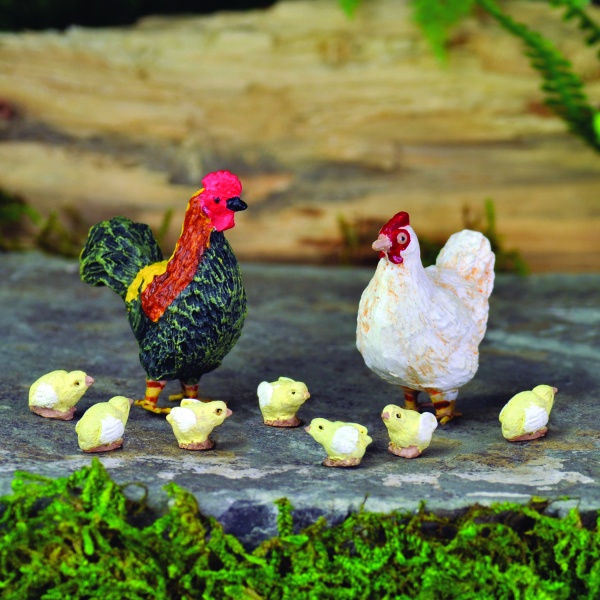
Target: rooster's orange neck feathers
(183, 264)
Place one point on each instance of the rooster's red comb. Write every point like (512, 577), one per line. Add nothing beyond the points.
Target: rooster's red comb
(223, 183)
(400, 219)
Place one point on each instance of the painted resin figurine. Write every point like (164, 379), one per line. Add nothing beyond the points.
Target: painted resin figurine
(194, 421)
(280, 400)
(102, 426)
(345, 443)
(186, 312)
(55, 394)
(526, 415)
(410, 432)
(420, 328)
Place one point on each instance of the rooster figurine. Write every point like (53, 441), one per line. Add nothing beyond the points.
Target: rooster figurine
(186, 312)
(421, 328)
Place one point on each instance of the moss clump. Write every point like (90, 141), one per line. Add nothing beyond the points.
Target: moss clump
(77, 537)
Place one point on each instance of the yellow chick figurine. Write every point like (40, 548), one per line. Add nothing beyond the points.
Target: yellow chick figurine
(193, 421)
(55, 394)
(280, 400)
(345, 443)
(526, 415)
(410, 432)
(102, 425)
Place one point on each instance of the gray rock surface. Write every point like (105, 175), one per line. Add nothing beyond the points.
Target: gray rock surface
(301, 324)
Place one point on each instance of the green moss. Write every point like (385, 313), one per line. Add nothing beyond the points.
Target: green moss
(80, 537)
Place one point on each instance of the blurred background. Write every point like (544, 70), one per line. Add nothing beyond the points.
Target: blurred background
(334, 114)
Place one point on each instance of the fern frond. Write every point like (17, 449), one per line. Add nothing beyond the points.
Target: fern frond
(575, 11)
(436, 17)
(564, 90)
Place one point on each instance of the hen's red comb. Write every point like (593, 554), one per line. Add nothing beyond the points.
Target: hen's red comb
(222, 183)
(400, 219)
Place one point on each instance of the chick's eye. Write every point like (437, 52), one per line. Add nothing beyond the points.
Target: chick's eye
(77, 383)
(320, 426)
(398, 416)
(218, 411)
(293, 392)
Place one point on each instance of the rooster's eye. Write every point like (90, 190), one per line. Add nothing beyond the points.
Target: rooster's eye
(402, 237)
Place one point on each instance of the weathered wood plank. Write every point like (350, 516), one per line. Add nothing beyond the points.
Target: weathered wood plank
(321, 116)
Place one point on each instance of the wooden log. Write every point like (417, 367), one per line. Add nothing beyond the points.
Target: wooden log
(331, 124)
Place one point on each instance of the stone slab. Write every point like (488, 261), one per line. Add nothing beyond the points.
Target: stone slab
(301, 323)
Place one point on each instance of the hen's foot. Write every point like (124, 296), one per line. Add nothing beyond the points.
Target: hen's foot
(529, 436)
(444, 410)
(150, 406)
(410, 399)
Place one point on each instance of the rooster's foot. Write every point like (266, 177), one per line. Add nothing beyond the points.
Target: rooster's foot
(188, 390)
(151, 407)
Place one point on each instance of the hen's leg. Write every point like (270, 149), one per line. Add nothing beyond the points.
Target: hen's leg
(188, 390)
(153, 390)
(410, 399)
(443, 403)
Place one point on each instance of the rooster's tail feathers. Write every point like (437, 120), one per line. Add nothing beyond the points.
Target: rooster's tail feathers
(115, 251)
(470, 254)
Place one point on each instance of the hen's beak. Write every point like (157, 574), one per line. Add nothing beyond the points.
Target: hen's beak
(236, 204)
(382, 243)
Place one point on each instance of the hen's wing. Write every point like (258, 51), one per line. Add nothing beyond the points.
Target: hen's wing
(465, 266)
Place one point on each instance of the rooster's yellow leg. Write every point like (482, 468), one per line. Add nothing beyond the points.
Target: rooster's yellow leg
(410, 399)
(188, 390)
(153, 390)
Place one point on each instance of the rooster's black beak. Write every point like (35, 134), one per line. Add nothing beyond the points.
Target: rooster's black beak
(235, 204)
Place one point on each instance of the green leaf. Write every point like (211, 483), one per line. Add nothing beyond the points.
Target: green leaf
(349, 6)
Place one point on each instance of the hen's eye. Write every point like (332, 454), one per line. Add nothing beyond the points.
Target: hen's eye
(402, 237)
(217, 200)
(218, 411)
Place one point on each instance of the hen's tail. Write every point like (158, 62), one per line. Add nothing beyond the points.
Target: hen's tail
(470, 254)
(115, 251)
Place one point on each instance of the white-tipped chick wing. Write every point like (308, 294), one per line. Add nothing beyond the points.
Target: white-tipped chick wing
(536, 418)
(265, 393)
(183, 417)
(111, 429)
(345, 440)
(45, 396)
(427, 426)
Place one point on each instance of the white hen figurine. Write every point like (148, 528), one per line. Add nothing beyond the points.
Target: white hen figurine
(421, 328)
(526, 415)
(102, 426)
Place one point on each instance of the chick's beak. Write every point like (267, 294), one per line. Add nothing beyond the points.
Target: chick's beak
(385, 416)
(89, 380)
(382, 243)
(229, 412)
(307, 429)
(306, 395)
(236, 204)
(555, 390)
